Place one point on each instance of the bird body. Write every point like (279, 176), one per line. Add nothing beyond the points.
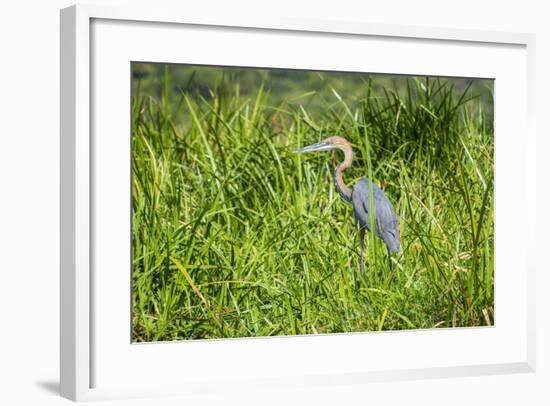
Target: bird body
(385, 220)
(384, 215)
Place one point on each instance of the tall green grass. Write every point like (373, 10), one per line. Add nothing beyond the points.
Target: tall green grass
(234, 235)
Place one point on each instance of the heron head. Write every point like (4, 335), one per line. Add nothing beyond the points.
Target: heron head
(325, 145)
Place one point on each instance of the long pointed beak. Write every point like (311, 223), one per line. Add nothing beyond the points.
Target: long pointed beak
(320, 146)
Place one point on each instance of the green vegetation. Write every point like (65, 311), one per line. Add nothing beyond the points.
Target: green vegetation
(235, 235)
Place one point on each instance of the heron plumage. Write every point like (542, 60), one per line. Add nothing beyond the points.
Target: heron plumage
(359, 197)
(384, 214)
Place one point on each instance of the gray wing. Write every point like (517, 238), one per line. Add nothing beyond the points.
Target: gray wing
(384, 214)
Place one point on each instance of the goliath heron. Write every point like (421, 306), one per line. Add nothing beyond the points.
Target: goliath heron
(384, 216)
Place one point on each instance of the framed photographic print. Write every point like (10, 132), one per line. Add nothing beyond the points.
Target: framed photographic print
(277, 202)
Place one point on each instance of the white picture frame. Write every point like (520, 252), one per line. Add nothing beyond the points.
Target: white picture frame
(78, 316)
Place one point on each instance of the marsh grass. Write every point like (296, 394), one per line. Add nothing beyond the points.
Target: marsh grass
(234, 235)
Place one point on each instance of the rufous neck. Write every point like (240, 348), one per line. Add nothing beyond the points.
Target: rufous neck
(341, 187)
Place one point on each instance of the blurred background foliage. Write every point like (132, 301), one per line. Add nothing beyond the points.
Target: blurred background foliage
(287, 89)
